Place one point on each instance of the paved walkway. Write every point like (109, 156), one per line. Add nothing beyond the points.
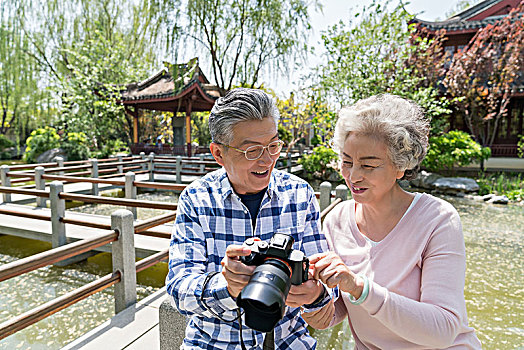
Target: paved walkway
(137, 327)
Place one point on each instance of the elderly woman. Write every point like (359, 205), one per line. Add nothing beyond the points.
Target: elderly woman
(398, 258)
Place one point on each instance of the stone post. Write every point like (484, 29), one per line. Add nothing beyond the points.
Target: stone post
(123, 257)
(325, 195)
(40, 185)
(58, 229)
(202, 166)
(94, 175)
(59, 163)
(289, 160)
(143, 157)
(151, 166)
(171, 326)
(120, 167)
(341, 191)
(130, 191)
(178, 169)
(6, 182)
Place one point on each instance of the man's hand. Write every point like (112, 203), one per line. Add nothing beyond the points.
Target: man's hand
(306, 293)
(236, 273)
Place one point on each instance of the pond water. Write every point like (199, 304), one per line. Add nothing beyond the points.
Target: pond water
(494, 282)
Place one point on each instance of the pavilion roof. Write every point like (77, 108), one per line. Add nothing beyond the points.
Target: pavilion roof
(170, 87)
(472, 19)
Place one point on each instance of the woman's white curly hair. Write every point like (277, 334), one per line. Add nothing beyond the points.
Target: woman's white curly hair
(399, 123)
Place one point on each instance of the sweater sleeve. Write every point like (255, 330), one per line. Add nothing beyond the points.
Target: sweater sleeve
(435, 320)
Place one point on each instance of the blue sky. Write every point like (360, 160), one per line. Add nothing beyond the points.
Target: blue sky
(336, 10)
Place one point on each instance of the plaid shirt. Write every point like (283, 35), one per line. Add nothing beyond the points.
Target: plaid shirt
(210, 217)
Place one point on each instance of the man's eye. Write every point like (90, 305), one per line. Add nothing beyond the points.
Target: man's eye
(252, 151)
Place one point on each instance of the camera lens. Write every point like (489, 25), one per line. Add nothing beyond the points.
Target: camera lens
(264, 297)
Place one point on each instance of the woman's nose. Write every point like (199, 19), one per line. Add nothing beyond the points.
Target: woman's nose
(355, 174)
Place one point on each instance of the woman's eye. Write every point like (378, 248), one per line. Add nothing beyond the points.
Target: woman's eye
(366, 166)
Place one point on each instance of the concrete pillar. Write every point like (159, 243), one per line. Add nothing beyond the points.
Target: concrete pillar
(202, 166)
(171, 326)
(59, 163)
(58, 230)
(123, 257)
(151, 166)
(143, 157)
(94, 175)
(341, 192)
(6, 182)
(130, 191)
(120, 168)
(289, 165)
(40, 185)
(178, 169)
(325, 195)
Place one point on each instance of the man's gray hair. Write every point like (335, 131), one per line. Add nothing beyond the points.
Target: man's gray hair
(239, 105)
(400, 123)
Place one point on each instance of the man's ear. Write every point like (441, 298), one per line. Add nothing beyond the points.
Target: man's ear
(217, 153)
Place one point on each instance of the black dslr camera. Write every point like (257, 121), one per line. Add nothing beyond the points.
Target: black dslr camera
(278, 266)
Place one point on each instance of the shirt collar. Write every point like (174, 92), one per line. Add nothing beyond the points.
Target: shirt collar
(227, 188)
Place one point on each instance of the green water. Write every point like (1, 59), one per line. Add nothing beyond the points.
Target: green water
(494, 283)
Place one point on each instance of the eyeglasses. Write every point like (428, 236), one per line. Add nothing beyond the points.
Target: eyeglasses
(255, 152)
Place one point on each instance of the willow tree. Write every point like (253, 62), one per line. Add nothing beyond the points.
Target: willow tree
(20, 98)
(86, 48)
(244, 39)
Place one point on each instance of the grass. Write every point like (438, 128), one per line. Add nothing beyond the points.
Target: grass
(509, 184)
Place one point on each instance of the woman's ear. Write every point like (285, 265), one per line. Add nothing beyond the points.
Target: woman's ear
(217, 153)
(400, 174)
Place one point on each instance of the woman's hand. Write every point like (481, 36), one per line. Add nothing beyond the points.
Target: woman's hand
(330, 269)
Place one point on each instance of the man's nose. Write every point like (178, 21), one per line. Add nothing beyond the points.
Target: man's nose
(266, 157)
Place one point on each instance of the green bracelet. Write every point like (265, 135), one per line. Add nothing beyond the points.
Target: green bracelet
(364, 294)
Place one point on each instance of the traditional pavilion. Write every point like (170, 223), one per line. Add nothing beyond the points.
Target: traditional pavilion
(177, 88)
(459, 30)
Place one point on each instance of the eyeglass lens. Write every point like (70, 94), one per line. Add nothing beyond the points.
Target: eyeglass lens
(254, 152)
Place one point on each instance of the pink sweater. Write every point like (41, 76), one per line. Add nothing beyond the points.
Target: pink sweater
(416, 274)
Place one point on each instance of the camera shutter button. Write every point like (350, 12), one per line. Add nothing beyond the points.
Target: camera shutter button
(249, 241)
(263, 245)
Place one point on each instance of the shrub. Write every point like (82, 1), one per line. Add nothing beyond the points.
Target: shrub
(455, 148)
(321, 163)
(112, 147)
(39, 141)
(75, 146)
(5, 143)
(509, 184)
(520, 146)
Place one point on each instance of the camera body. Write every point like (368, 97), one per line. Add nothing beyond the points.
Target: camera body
(280, 247)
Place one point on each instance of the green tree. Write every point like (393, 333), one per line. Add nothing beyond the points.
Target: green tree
(76, 146)
(321, 164)
(378, 52)
(244, 38)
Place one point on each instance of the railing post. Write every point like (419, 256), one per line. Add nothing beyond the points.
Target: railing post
(58, 230)
(40, 185)
(151, 166)
(325, 195)
(123, 257)
(130, 191)
(6, 182)
(178, 169)
(94, 175)
(59, 163)
(341, 191)
(120, 168)
(143, 157)
(289, 162)
(202, 166)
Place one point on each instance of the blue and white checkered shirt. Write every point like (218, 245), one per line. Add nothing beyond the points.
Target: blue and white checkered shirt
(210, 217)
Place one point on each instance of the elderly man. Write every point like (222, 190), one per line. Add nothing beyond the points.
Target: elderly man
(247, 198)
